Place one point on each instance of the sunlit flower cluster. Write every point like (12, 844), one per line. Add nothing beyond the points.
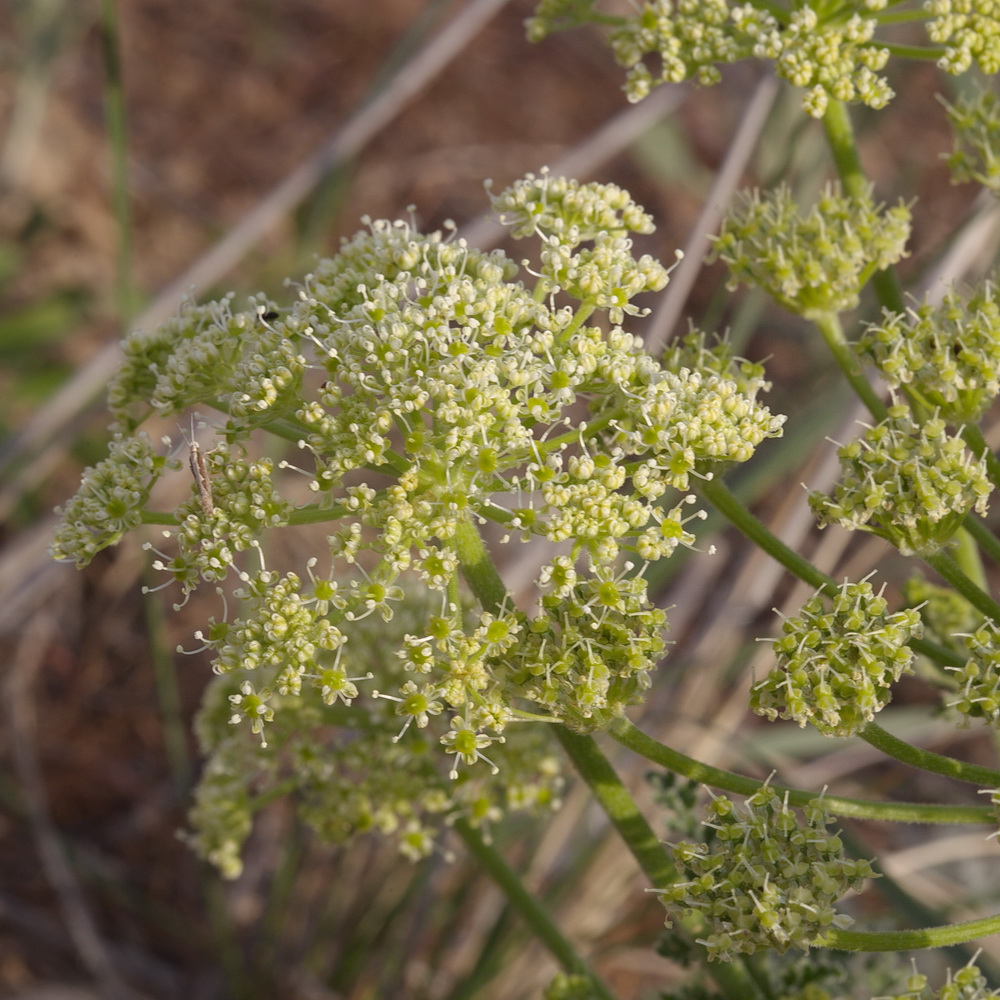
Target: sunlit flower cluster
(946, 357)
(970, 32)
(829, 56)
(765, 880)
(909, 483)
(835, 666)
(429, 391)
(828, 50)
(812, 263)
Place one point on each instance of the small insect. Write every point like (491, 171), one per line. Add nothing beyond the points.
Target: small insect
(201, 478)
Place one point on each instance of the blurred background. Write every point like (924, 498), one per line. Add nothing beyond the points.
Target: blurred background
(252, 137)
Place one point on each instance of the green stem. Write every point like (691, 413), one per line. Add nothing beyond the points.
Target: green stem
(923, 52)
(926, 937)
(840, 136)
(159, 517)
(947, 569)
(114, 104)
(614, 798)
(833, 333)
(900, 812)
(315, 514)
(902, 751)
(985, 538)
(716, 491)
(532, 912)
(638, 836)
(478, 569)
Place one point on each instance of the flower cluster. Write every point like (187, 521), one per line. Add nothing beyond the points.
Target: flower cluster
(204, 355)
(111, 499)
(946, 357)
(766, 880)
(827, 49)
(968, 983)
(970, 32)
(975, 125)
(693, 352)
(244, 504)
(349, 778)
(429, 392)
(830, 56)
(909, 483)
(978, 681)
(593, 647)
(571, 212)
(835, 668)
(685, 37)
(814, 263)
(830, 53)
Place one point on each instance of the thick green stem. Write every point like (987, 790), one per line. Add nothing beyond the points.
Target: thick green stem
(638, 836)
(901, 812)
(985, 539)
(946, 567)
(833, 333)
(621, 809)
(716, 491)
(926, 937)
(478, 569)
(902, 751)
(531, 911)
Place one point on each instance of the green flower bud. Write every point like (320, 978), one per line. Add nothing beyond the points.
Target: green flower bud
(835, 666)
(814, 263)
(110, 500)
(767, 881)
(910, 484)
(946, 356)
(978, 694)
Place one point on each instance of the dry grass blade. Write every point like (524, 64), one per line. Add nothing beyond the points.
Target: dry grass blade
(346, 141)
(737, 156)
(18, 699)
